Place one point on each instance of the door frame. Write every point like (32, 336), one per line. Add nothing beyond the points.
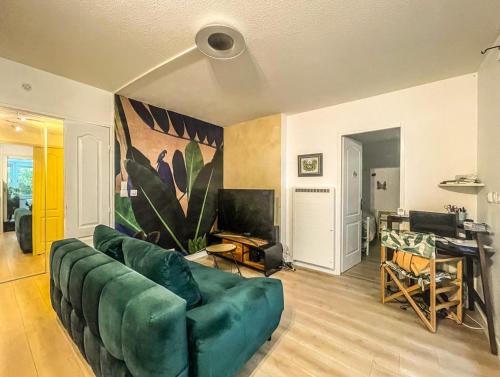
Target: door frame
(65, 119)
(3, 176)
(340, 172)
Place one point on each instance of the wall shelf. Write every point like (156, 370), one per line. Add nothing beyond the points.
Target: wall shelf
(461, 185)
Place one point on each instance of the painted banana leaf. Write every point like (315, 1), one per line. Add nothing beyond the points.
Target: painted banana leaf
(201, 130)
(156, 207)
(121, 125)
(143, 112)
(118, 157)
(191, 126)
(136, 155)
(179, 168)
(160, 116)
(177, 122)
(194, 163)
(124, 215)
(202, 204)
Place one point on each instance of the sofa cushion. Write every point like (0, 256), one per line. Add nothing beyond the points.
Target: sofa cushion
(164, 267)
(238, 321)
(212, 282)
(109, 241)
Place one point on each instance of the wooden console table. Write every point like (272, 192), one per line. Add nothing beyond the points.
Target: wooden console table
(271, 253)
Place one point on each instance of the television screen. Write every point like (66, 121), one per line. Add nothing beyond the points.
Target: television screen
(441, 224)
(247, 212)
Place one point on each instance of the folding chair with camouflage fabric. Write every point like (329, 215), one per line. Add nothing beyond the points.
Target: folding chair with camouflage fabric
(414, 269)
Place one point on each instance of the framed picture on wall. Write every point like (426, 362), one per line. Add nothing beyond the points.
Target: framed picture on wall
(310, 165)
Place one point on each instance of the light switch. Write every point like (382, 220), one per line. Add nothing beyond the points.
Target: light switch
(133, 192)
(123, 185)
(124, 193)
(493, 197)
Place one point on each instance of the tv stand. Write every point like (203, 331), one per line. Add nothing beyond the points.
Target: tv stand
(253, 252)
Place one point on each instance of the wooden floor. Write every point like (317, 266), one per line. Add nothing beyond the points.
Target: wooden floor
(332, 326)
(14, 263)
(368, 269)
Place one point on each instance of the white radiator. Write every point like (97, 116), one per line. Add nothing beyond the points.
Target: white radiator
(313, 214)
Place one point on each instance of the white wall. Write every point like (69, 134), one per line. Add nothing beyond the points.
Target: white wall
(76, 103)
(489, 161)
(439, 140)
(378, 154)
(53, 95)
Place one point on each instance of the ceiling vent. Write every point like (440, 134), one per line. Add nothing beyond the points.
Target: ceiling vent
(220, 42)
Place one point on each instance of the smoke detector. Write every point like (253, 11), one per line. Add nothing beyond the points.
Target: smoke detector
(220, 42)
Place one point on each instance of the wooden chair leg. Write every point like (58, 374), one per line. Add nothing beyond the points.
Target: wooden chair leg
(433, 296)
(412, 302)
(383, 274)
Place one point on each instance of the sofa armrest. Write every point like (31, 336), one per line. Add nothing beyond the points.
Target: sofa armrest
(235, 324)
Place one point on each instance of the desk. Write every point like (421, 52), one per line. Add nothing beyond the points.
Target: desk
(471, 254)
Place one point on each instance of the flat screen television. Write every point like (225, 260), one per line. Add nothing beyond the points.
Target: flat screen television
(248, 212)
(441, 224)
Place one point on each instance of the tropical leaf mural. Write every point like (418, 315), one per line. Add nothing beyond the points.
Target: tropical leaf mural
(174, 162)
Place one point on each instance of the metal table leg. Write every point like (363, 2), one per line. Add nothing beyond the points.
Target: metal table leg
(488, 305)
(236, 263)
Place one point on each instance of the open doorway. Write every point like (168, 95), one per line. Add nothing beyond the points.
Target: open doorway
(31, 195)
(371, 178)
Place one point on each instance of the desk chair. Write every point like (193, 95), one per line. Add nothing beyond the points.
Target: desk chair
(414, 269)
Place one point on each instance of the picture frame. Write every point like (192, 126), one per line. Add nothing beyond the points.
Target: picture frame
(310, 165)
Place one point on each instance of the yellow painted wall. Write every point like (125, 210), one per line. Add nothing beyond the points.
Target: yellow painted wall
(252, 156)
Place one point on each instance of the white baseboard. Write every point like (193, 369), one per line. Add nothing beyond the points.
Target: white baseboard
(314, 267)
(196, 256)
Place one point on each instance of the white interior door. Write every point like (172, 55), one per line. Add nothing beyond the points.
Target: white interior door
(87, 178)
(352, 157)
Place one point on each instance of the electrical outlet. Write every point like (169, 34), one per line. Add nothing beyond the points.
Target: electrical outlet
(133, 192)
(124, 193)
(123, 185)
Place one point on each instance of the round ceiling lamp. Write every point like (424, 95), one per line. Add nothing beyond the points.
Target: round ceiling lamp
(220, 42)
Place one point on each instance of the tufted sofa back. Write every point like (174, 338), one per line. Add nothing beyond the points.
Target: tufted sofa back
(123, 323)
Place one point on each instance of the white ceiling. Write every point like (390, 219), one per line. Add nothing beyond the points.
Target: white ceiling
(302, 54)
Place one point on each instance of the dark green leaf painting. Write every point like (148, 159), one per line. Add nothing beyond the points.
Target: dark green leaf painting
(173, 165)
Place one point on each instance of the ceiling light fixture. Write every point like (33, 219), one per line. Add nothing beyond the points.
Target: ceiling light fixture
(18, 128)
(220, 42)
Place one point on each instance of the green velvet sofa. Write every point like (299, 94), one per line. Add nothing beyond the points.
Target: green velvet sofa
(126, 324)
(23, 226)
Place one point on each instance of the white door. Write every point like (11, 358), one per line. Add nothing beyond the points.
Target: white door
(87, 178)
(352, 157)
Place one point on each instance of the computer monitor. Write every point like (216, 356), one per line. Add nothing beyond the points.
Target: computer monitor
(441, 224)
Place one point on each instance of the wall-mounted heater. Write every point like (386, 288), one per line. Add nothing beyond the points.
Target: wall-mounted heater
(313, 214)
